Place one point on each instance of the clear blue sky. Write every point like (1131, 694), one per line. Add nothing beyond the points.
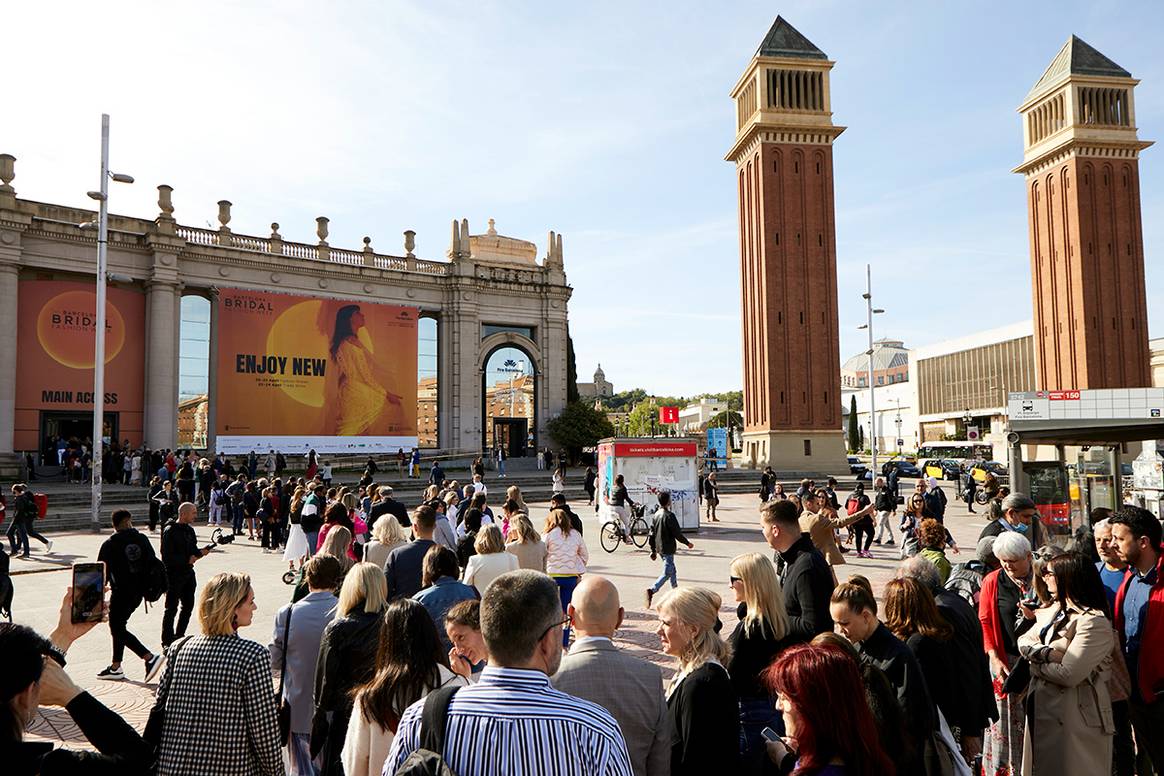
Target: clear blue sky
(605, 121)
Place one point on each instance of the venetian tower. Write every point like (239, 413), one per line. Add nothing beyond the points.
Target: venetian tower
(1081, 162)
(784, 176)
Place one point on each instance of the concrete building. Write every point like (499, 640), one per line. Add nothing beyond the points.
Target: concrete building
(970, 376)
(493, 301)
(784, 177)
(896, 416)
(599, 389)
(694, 417)
(1081, 163)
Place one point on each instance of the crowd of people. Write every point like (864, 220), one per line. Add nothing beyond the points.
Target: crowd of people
(458, 632)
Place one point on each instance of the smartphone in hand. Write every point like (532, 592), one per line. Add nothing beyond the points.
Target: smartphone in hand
(88, 592)
(770, 735)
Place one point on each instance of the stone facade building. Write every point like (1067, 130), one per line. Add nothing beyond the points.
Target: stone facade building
(784, 171)
(599, 389)
(491, 297)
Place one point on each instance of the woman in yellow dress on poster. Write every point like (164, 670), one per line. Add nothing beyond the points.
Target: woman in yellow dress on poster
(362, 397)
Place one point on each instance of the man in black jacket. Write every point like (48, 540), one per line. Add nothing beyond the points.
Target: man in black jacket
(127, 556)
(665, 537)
(388, 506)
(180, 551)
(558, 501)
(804, 574)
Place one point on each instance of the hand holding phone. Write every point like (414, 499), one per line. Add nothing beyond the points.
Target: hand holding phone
(88, 600)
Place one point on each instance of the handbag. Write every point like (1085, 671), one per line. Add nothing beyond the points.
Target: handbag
(1019, 678)
(284, 706)
(157, 718)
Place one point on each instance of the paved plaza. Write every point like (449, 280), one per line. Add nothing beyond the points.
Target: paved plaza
(40, 584)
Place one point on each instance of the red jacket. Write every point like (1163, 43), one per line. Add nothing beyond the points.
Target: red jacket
(992, 639)
(1150, 669)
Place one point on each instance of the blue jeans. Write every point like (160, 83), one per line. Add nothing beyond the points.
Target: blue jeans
(566, 587)
(755, 715)
(668, 573)
(500, 467)
(237, 522)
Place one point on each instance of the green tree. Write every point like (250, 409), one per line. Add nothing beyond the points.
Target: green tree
(571, 370)
(854, 445)
(640, 417)
(579, 426)
(860, 438)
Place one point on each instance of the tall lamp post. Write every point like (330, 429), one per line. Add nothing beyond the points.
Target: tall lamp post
(102, 197)
(870, 311)
(897, 420)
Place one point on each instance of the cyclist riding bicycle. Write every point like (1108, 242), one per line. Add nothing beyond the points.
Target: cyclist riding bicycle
(620, 503)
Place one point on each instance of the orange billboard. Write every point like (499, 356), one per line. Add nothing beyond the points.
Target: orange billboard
(299, 373)
(54, 365)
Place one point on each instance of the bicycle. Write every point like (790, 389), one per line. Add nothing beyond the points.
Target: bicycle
(613, 533)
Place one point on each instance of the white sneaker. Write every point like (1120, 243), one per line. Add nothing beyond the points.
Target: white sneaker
(48, 545)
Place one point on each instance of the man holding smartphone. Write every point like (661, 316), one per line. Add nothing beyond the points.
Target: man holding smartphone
(127, 556)
(180, 551)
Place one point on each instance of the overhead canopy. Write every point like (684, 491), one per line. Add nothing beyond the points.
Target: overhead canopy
(1081, 431)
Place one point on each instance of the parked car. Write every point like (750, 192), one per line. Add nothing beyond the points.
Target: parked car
(978, 469)
(942, 468)
(856, 468)
(904, 468)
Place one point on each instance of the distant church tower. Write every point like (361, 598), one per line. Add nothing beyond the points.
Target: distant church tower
(784, 176)
(1083, 198)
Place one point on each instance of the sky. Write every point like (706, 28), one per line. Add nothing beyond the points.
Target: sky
(606, 122)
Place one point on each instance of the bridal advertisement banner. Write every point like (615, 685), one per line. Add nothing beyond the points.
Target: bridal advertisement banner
(298, 373)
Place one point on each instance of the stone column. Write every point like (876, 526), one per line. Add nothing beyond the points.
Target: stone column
(9, 274)
(212, 378)
(161, 365)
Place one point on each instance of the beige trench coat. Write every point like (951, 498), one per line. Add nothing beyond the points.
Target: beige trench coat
(822, 529)
(1072, 725)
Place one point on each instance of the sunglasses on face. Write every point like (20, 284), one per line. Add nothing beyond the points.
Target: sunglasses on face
(562, 624)
(733, 580)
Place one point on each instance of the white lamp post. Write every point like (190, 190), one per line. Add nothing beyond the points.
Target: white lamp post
(102, 197)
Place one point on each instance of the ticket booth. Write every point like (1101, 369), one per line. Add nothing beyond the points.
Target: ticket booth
(649, 466)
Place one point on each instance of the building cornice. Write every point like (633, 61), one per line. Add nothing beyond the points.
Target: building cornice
(790, 135)
(1080, 148)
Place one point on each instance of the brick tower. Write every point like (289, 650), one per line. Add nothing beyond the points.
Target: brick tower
(1083, 198)
(784, 175)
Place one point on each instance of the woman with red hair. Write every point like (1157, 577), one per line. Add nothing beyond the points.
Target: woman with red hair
(828, 726)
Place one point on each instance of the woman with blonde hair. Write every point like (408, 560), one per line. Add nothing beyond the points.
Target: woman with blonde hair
(566, 558)
(702, 707)
(758, 639)
(526, 543)
(347, 659)
(217, 687)
(491, 560)
(513, 492)
(387, 534)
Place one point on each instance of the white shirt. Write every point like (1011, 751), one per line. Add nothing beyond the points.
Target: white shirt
(483, 569)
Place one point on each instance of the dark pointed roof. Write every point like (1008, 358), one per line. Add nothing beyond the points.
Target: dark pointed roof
(1077, 57)
(783, 40)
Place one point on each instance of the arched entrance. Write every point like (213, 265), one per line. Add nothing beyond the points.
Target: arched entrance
(509, 400)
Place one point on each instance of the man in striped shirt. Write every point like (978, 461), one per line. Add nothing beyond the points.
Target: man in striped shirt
(513, 721)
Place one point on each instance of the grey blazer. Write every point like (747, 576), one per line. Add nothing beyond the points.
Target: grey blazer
(631, 689)
(309, 616)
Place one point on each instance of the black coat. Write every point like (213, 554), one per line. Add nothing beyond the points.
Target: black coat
(347, 659)
(808, 585)
(704, 714)
(752, 652)
(666, 533)
(120, 750)
(969, 684)
(892, 656)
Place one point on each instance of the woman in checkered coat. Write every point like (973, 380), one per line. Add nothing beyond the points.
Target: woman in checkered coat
(216, 692)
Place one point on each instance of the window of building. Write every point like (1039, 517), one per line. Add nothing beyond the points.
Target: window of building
(488, 329)
(808, 447)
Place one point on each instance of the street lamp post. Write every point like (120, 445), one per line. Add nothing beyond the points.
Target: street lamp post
(897, 420)
(870, 311)
(102, 197)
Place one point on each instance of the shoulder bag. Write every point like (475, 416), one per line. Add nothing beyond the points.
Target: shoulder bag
(157, 719)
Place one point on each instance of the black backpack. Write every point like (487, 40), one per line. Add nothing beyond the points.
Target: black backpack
(429, 759)
(153, 581)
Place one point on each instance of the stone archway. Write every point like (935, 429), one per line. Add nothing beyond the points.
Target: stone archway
(510, 375)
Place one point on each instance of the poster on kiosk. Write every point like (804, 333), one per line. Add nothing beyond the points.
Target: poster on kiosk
(649, 466)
